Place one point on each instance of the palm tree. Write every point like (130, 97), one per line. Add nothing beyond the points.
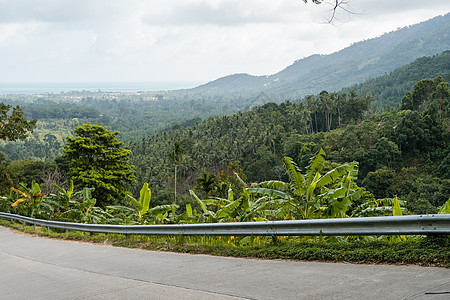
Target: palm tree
(207, 183)
(177, 155)
(312, 106)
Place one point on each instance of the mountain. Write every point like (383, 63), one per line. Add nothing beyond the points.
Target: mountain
(352, 65)
(388, 90)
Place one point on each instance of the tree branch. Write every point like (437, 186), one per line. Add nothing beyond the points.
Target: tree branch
(336, 5)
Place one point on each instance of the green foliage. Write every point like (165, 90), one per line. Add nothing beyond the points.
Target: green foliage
(424, 92)
(384, 144)
(397, 211)
(207, 183)
(143, 204)
(5, 180)
(378, 182)
(445, 209)
(380, 207)
(393, 148)
(85, 211)
(14, 126)
(65, 198)
(141, 213)
(411, 133)
(225, 208)
(354, 107)
(32, 202)
(98, 160)
(311, 195)
(27, 171)
(382, 154)
(427, 194)
(389, 89)
(53, 110)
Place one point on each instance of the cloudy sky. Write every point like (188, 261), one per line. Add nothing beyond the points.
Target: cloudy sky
(182, 40)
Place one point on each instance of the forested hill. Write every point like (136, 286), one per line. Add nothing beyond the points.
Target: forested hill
(352, 65)
(403, 153)
(388, 90)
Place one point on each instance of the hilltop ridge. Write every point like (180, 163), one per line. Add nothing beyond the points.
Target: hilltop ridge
(351, 65)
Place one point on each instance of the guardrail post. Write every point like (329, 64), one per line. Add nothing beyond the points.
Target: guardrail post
(34, 226)
(24, 224)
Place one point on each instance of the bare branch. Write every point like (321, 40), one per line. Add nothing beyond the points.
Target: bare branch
(336, 7)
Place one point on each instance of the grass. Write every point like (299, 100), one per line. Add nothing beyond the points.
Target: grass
(418, 250)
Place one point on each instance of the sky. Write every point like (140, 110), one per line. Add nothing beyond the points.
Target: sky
(183, 40)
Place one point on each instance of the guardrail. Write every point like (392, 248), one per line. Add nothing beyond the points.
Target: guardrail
(402, 225)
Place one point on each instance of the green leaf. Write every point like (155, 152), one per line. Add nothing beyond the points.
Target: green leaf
(334, 193)
(189, 210)
(228, 209)
(274, 184)
(296, 177)
(397, 211)
(35, 188)
(316, 164)
(269, 192)
(163, 209)
(200, 202)
(445, 209)
(334, 174)
(70, 191)
(144, 199)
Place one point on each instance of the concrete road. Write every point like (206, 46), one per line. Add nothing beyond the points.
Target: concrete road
(39, 268)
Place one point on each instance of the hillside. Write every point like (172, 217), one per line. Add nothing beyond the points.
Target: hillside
(135, 117)
(403, 153)
(352, 65)
(388, 90)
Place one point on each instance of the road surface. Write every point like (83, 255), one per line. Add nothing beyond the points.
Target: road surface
(40, 268)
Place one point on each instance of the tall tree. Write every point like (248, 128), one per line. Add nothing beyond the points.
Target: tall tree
(355, 107)
(207, 183)
(176, 155)
(97, 159)
(14, 126)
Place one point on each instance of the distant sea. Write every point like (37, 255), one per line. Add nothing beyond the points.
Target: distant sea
(64, 87)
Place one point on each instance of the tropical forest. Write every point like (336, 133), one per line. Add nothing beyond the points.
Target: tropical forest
(371, 139)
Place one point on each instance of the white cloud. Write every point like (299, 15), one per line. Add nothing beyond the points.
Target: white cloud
(222, 13)
(176, 40)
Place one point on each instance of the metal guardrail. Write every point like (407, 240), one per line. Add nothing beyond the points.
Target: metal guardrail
(402, 225)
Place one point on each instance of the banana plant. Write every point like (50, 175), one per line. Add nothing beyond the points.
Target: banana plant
(162, 214)
(64, 196)
(253, 208)
(190, 216)
(397, 211)
(123, 214)
(303, 195)
(340, 197)
(32, 201)
(225, 213)
(141, 210)
(85, 211)
(381, 207)
(143, 204)
(445, 209)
